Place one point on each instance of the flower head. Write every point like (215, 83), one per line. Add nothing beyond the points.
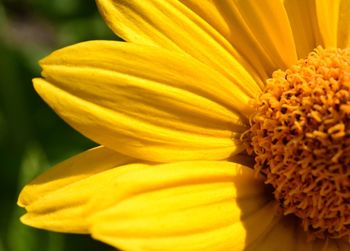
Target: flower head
(223, 125)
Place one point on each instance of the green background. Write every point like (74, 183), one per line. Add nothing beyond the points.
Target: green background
(33, 137)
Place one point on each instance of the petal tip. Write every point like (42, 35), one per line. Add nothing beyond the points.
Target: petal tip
(26, 219)
(23, 200)
(38, 84)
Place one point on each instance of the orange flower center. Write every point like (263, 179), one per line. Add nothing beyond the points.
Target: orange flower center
(300, 136)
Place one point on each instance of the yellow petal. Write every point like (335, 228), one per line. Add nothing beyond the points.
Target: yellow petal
(344, 24)
(303, 20)
(183, 206)
(268, 22)
(240, 36)
(334, 22)
(56, 199)
(145, 102)
(288, 235)
(148, 22)
(328, 17)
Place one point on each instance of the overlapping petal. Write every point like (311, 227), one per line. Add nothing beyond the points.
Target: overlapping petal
(304, 24)
(257, 35)
(333, 23)
(56, 200)
(175, 26)
(198, 205)
(262, 36)
(238, 33)
(269, 24)
(183, 206)
(145, 102)
(328, 18)
(343, 38)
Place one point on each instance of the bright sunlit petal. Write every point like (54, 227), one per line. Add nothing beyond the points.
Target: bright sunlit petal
(148, 22)
(183, 206)
(56, 200)
(132, 98)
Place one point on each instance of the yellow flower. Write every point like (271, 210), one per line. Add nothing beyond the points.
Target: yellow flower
(175, 107)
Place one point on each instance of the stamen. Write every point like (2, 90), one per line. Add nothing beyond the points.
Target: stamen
(300, 136)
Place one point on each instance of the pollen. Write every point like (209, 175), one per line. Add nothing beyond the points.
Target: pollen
(300, 137)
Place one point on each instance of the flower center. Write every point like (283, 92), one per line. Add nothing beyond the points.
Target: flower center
(300, 136)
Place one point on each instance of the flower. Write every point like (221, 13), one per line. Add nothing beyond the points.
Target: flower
(174, 109)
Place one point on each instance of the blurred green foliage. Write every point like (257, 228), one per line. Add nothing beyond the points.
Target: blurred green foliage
(32, 137)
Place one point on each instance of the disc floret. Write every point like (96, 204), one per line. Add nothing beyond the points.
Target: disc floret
(300, 136)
